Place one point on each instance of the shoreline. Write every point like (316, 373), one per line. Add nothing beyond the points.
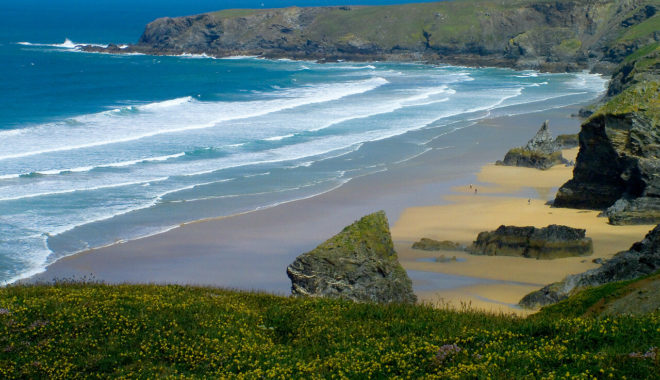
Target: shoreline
(250, 251)
(504, 279)
(57, 255)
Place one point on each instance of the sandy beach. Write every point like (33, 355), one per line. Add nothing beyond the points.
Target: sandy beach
(468, 214)
(427, 196)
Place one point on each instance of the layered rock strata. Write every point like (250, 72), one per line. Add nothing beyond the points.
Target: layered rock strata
(359, 264)
(551, 242)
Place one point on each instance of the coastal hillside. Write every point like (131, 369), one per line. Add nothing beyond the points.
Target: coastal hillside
(564, 35)
(637, 296)
(143, 331)
(619, 155)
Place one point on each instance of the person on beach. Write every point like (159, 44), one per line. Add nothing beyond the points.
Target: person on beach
(529, 201)
(475, 191)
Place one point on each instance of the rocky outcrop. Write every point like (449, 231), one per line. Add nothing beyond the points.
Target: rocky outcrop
(541, 152)
(359, 264)
(551, 242)
(642, 259)
(567, 141)
(427, 244)
(619, 159)
(563, 35)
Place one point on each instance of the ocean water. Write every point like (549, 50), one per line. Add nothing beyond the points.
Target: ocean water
(99, 148)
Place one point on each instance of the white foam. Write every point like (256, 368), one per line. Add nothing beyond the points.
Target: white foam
(90, 188)
(237, 57)
(176, 115)
(199, 56)
(166, 103)
(67, 44)
(278, 138)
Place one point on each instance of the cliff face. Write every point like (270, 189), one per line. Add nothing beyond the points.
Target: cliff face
(558, 35)
(619, 159)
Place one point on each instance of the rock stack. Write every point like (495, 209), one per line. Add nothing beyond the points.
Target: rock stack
(541, 152)
(359, 264)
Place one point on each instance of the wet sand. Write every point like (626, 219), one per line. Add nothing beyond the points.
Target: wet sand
(251, 251)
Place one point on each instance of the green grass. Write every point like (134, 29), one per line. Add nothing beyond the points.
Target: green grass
(592, 300)
(144, 331)
(642, 30)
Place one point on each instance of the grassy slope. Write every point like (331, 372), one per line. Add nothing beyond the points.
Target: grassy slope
(596, 301)
(77, 330)
(447, 23)
(642, 94)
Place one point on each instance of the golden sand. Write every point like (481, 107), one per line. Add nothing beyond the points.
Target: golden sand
(495, 204)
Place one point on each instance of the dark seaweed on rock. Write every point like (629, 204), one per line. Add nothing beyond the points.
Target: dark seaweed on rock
(551, 242)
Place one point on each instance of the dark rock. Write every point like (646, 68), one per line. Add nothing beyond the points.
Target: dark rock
(531, 159)
(427, 244)
(641, 259)
(597, 261)
(359, 264)
(619, 160)
(541, 152)
(551, 242)
(567, 141)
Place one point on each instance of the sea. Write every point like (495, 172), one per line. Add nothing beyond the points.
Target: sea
(97, 149)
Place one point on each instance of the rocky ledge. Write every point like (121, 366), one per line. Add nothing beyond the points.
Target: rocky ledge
(642, 259)
(541, 152)
(359, 264)
(551, 242)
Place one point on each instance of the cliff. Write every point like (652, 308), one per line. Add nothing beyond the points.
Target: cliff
(619, 159)
(563, 35)
(359, 264)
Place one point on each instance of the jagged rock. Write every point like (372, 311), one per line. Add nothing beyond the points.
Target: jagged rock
(542, 141)
(359, 264)
(427, 244)
(642, 259)
(541, 152)
(551, 242)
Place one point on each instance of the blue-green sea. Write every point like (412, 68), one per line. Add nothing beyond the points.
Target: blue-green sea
(99, 148)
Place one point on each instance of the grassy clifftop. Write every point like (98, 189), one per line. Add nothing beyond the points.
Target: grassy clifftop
(139, 331)
(561, 35)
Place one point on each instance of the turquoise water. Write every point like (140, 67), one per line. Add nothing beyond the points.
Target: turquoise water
(98, 148)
